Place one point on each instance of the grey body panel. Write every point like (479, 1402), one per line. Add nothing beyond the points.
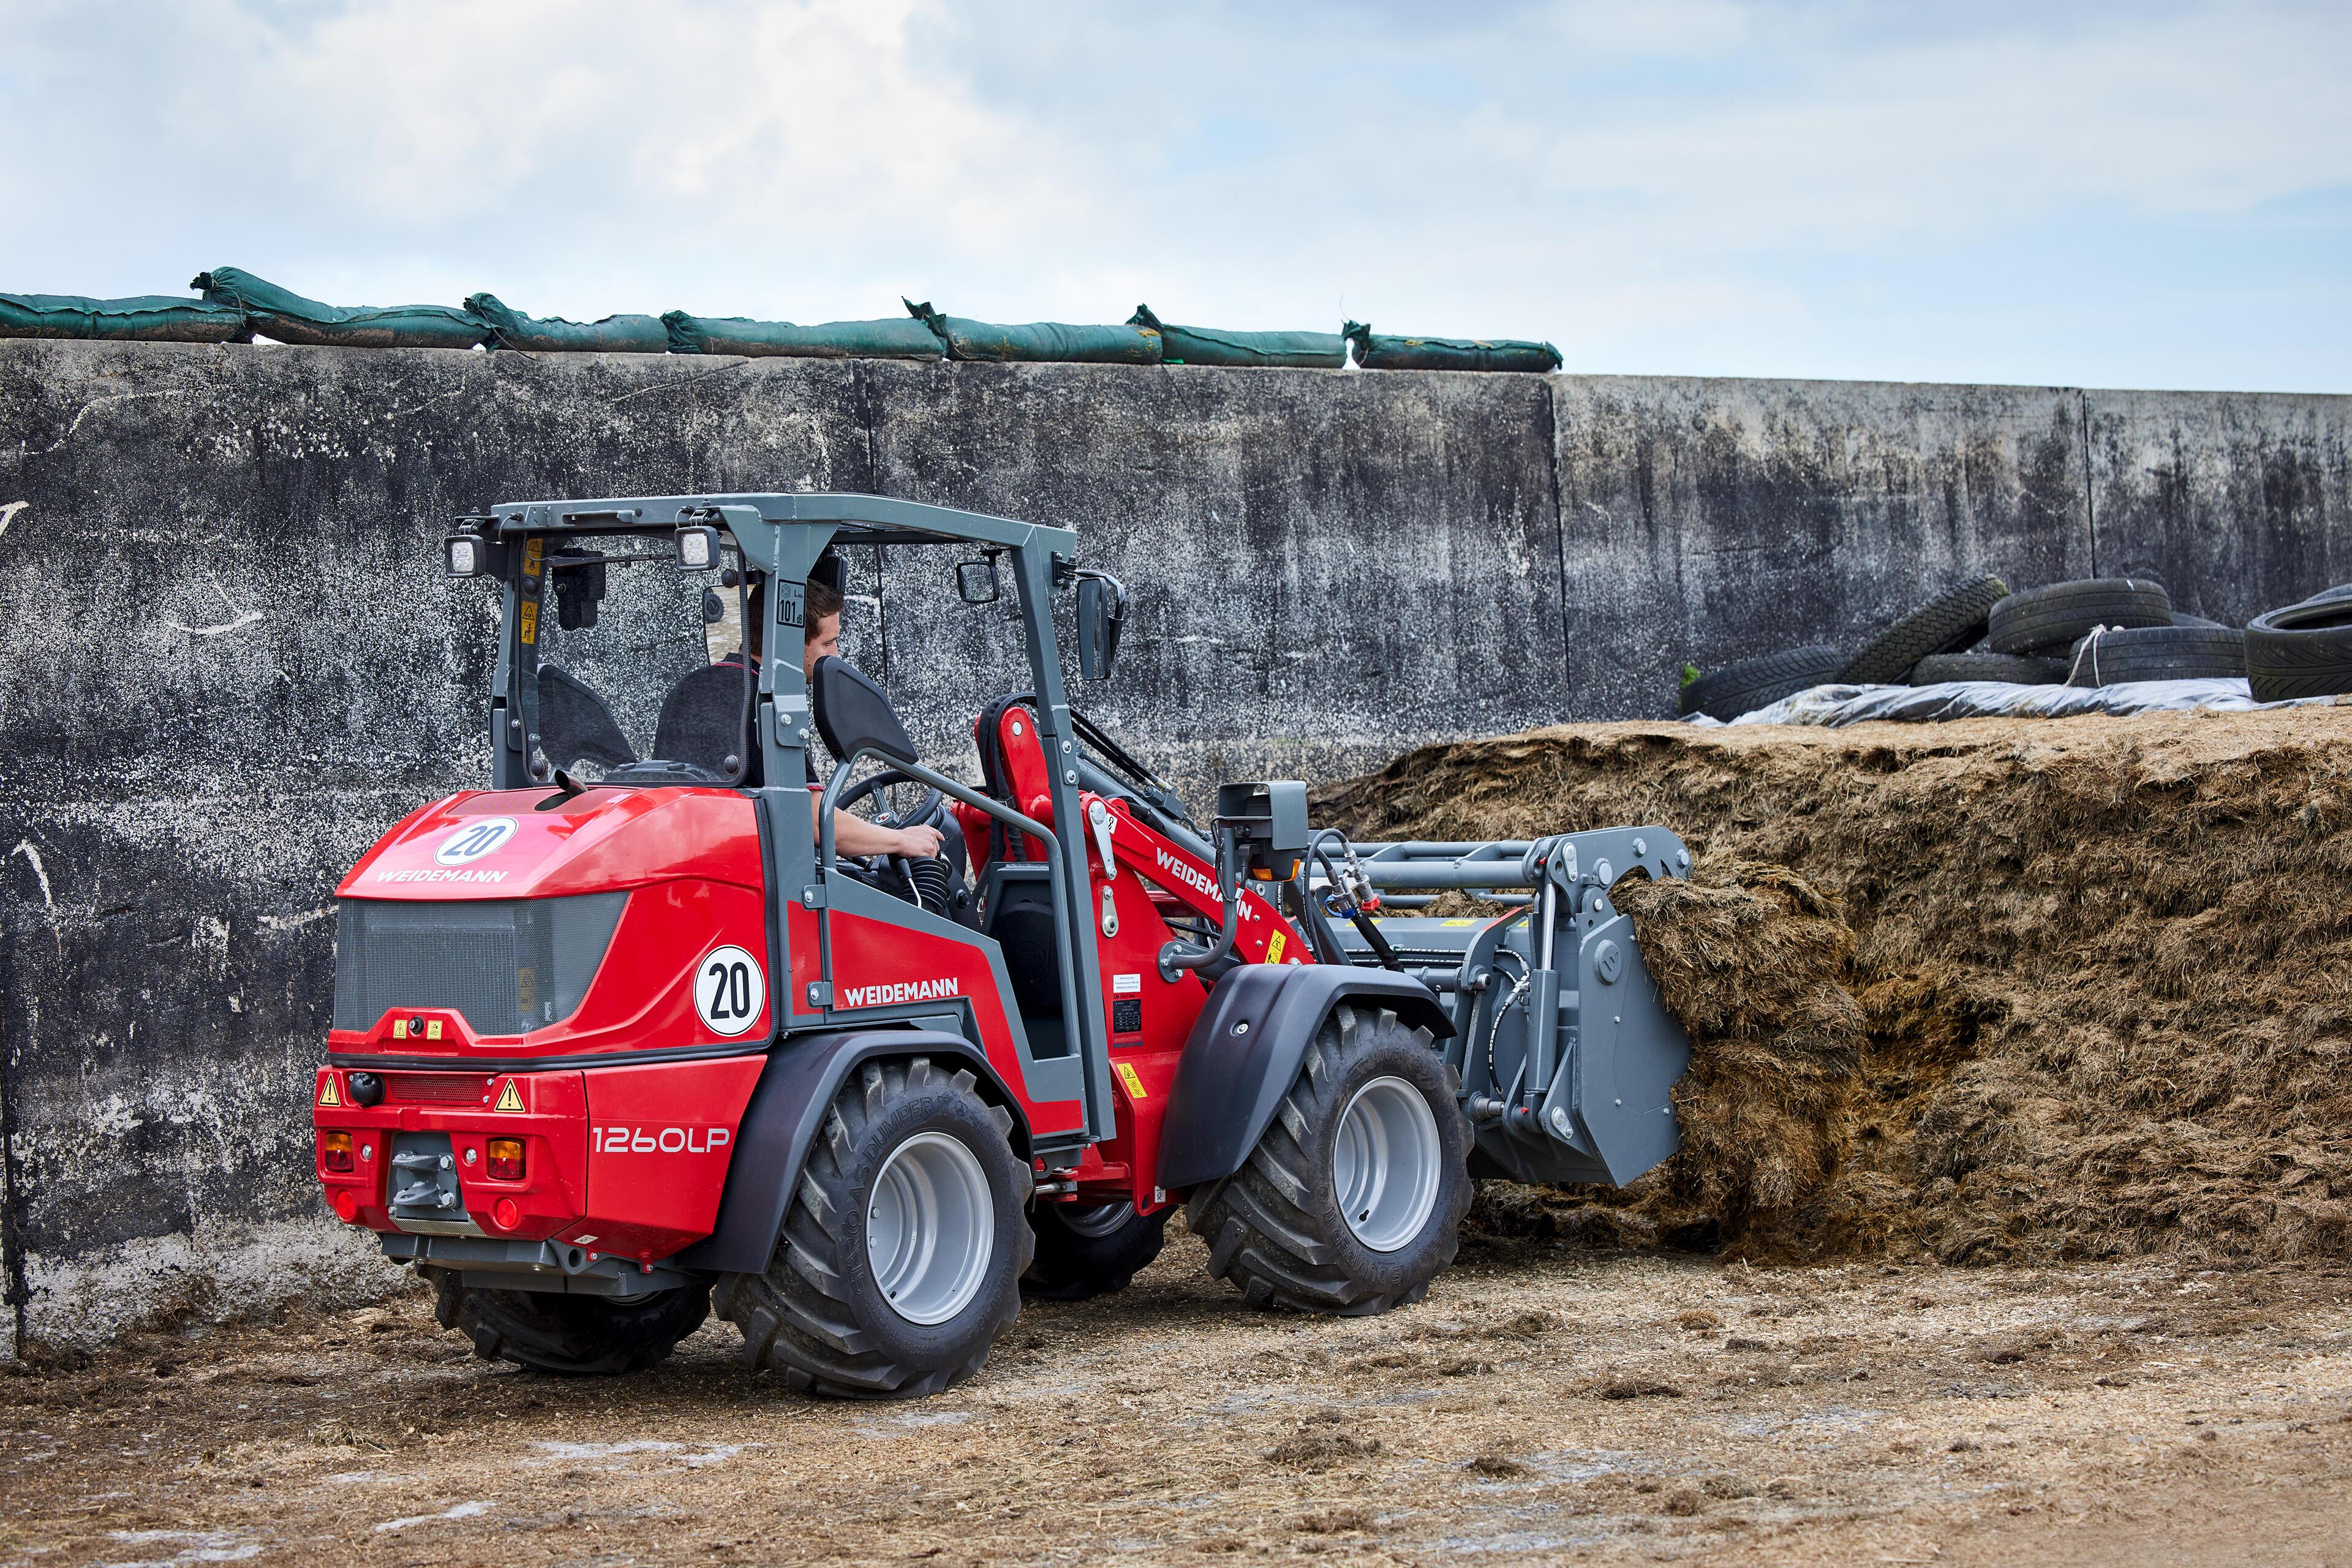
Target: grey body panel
(788, 1106)
(1245, 1052)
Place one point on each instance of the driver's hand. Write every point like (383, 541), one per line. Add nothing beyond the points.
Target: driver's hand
(920, 843)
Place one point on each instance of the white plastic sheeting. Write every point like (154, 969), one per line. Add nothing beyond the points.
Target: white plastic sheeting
(1839, 705)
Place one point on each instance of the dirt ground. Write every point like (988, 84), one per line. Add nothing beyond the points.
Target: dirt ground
(1545, 1402)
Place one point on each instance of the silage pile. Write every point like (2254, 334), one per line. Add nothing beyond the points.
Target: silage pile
(1980, 991)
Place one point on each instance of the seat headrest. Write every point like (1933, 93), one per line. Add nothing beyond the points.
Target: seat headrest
(852, 713)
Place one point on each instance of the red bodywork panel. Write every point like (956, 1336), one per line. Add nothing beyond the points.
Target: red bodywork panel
(876, 964)
(1156, 877)
(631, 1159)
(690, 856)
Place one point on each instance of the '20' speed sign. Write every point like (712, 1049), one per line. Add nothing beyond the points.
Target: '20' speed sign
(729, 991)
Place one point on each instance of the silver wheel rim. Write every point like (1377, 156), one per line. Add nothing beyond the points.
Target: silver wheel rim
(1095, 1221)
(1384, 1164)
(931, 1228)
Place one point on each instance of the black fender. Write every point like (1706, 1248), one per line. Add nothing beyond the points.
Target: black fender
(787, 1107)
(1245, 1053)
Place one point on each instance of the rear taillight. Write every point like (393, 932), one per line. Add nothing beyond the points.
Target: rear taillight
(335, 1150)
(506, 1159)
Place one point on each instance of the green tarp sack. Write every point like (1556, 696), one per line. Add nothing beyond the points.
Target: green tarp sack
(1040, 343)
(1447, 354)
(146, 317)
(291, 319)
(510, 329)
(1264, 350)
(691, 335)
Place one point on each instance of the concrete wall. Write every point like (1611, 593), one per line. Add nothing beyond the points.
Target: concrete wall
(225, 663)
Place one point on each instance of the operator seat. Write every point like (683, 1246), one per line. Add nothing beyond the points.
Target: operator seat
(574, 724)
(705, 720)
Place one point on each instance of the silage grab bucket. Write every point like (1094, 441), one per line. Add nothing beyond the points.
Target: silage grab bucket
(1567, 1055)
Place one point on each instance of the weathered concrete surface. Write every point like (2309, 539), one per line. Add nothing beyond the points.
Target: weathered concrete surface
(226, 664)
(1322, 563)
(1708, 521)
(2236, 503)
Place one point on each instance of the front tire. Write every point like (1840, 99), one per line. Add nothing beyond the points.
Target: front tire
(1352, 1201)
(574, 1334)
(903, 1249)
(1088, 1250)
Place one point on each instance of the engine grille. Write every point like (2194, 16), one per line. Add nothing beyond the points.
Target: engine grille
(436, 1087)
(509, 966)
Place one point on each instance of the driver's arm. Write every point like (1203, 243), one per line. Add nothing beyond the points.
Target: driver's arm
(856, 836)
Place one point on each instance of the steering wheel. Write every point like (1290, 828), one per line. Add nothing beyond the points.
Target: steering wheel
(891, 810)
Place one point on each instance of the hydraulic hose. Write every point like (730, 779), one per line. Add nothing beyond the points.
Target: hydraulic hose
(1363, 923)
(1177, 956)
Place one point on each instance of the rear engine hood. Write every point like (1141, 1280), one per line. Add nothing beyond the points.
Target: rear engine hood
(498, 844)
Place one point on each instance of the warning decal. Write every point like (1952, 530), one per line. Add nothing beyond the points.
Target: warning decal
(509, 1097)
(1274, 949)
(326, 1092)
(1131, 1077)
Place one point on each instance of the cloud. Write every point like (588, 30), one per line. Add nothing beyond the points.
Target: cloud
(1635, 182)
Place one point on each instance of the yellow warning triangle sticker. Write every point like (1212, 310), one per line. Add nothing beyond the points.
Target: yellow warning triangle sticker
(1129, 1077)
(327, 1095)
(509, 1097)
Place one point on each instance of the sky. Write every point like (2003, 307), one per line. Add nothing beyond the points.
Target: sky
(2070, 193)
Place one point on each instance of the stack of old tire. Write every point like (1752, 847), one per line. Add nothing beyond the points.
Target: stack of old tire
(2094, 632)
(2101, 631)
(1950, 622)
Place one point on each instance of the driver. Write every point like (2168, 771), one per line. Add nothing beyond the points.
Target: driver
(852, 834)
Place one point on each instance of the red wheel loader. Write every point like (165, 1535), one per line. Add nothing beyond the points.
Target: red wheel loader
(624, 1038)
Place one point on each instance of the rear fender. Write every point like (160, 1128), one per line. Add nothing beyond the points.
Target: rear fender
(1245, 1053)
(802, 1077)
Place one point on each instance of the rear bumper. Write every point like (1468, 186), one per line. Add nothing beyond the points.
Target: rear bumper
(542, 1265)
(624, 1163)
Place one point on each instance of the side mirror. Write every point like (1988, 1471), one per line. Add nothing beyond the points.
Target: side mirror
(1102, 610)
(976, 581)
(853, 714)
(697, 549)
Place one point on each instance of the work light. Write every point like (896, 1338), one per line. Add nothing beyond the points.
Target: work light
(462, 554)
(697, 549)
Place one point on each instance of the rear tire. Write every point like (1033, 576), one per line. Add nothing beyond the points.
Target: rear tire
(903, 1249)
(1088, 1251)
(1352, 1201)
(581, 1335)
